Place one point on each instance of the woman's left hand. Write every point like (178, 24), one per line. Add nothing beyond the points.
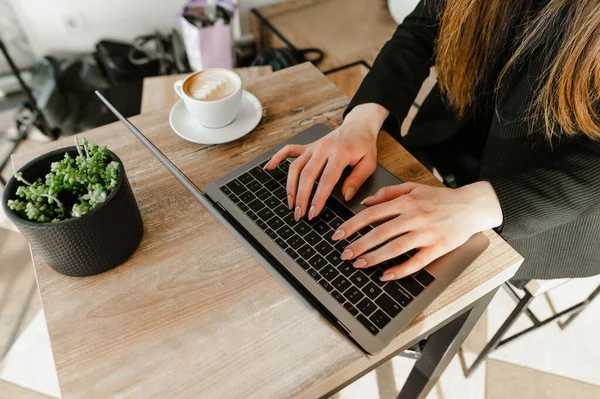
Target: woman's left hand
(433, 220)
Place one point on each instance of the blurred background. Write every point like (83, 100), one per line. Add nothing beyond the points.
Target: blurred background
(56, 53)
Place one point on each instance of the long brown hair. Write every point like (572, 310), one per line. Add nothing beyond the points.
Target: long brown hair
(564, 33)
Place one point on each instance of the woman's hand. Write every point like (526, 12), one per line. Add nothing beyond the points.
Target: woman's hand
(352, 144)
(432, 219)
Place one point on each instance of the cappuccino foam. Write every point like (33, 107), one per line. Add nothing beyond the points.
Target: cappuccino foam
(211, 85)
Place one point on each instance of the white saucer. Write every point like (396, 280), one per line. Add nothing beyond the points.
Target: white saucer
(189, 129)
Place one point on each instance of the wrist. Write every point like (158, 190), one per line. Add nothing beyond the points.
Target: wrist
(370, 115)
(487, 210)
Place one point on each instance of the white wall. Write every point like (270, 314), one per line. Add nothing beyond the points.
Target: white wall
(45, 21)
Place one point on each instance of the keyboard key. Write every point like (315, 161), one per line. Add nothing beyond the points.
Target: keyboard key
(376, 277)
(272, 202)
(236, 187)
(263, 193)
(285, 232)
(327, 215)
(225, 190)
(399, 294)
(365, 230)
(334, 258)
(371, 290)
(335, 223)
(365, 322)
(254, 186)
(312, 238)
(265, 214)
(341, 245)
(245, 178)
(293, 254)
(411, 285)
(322, 228)
(323, 248)
(325, 284)
(339, 209)
(304, 264)
(339, 297)
(256, 205)
(243, 207)
(350, 308)
(346, 268)
(380, 319)
(276, 174)
(353, 295)
(272, 185)
(424, 277)
(252, 215)
(306, 251)
(317, 262)
(284, 166)
(359, 278)
(283, 211)
(329, 272)
(314, 274)
(388, 305)
(281, 243)
(260, 175)
(271, 233)
(262, 224)
(301, 228)
(369, 270)
(353, 237)
(281, 194)
(341, 283)
(366, 306)
(295, 241)
(234, 198)
(275, 223)
(289, 219)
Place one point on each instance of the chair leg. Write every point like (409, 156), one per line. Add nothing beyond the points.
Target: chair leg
(572, 317)
(521, 306)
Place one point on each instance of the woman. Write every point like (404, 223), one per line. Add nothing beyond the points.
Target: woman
(519, 84)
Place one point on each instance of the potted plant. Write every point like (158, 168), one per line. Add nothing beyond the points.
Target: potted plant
(76, 208)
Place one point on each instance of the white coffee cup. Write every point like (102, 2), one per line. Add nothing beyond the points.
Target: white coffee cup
(200, 95)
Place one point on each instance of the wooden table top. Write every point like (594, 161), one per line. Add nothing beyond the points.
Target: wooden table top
(158, 92)
(346, 31)
(192, 313)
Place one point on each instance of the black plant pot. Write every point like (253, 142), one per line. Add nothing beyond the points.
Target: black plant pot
(98, 241)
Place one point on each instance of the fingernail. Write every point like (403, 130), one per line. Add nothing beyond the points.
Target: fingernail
(360, 263)
(290, 202)
(267, 164)
(387, 277)
(350, 191)
(311, 212)
(297, 213)
(339, 234)
(347, 254)
(366, 200)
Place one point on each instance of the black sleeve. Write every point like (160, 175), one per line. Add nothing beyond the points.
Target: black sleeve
(401, 66)
(566, 188)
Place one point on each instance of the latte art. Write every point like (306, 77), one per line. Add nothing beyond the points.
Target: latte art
(211, 86)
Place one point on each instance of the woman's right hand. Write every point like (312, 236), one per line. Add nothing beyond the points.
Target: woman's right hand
(353, 144)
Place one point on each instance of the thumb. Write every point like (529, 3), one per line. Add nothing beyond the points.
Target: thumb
(388, 193)
(360, 172)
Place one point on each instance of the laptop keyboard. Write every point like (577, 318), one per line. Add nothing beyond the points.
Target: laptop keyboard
(262, 196)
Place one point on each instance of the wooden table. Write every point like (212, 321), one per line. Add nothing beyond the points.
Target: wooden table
(192, 313)
(158, 92)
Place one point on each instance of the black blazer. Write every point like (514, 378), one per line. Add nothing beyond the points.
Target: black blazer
(549, 192)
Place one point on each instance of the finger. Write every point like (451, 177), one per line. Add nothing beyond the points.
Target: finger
(310, 174)
(293, 177)
(371, 215)
(288, 151)
(331, 174)
(421, 259)
(388, 193)
(390, 250)
(381, 234)
(360, 172)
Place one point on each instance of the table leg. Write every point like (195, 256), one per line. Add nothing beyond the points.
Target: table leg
(440, 348)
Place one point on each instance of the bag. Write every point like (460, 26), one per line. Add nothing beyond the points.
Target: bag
(279, 58)
(208, 38)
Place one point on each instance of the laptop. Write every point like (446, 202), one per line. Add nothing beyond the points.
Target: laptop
(370, 312)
